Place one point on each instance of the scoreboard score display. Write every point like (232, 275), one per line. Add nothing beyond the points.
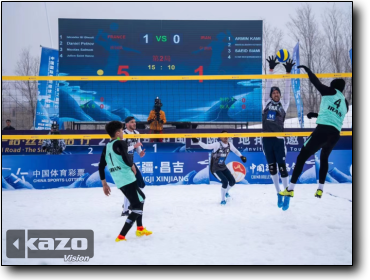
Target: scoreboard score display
(95, 47)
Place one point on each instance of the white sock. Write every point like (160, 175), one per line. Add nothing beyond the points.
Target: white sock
(321, 186)
(228, 188)
(291, 187)
(275, 179)
(285, 181)
(223, 193)
(126, 204)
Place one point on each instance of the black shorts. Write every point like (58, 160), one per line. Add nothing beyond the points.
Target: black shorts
(134, 194)
(323, 137)
(274, 149)
(139, 178)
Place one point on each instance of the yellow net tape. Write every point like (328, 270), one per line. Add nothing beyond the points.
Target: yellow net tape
(177, 135)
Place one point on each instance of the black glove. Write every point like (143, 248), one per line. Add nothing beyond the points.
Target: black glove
(312, 115)
(304, 67)
(243, 158)
(289, 65)
(161, 121)
(272, 62)
(195, 140)
(150, 121)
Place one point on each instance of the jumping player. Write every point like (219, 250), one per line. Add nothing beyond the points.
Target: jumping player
(217, 165)
(273, 118)
(133, 144)
(333, 109)
(123, 171)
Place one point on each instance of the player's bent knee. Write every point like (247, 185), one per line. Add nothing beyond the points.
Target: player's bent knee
(272, 168)
(283, 171)
(225, 184)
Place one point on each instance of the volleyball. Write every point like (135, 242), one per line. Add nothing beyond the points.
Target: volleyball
(237, 170)
(282, 55)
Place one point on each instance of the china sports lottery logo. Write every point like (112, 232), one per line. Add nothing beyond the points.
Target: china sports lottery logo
(238, 170)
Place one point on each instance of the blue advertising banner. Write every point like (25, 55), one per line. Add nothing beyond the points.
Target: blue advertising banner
(81, 171)
(350, 55)
(340, 167)
(296, 84)
(177, 168)
(47, 108)
(256, 171)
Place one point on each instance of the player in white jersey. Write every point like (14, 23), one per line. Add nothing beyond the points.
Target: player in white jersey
(133, 144)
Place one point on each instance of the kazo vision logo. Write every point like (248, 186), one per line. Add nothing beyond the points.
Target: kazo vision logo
(70, 245)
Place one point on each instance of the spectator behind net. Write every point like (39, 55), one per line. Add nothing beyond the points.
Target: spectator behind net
(8, 126)
(156, 119)
(54, 146)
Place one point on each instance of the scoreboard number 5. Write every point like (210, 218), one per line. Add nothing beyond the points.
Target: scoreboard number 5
(120, 72)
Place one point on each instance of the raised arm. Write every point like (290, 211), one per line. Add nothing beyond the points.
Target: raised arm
(288, 82)
(323, 89)
(266, 96)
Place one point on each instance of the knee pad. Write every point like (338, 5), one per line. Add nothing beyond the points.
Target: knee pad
(272, 168)
(283, 171)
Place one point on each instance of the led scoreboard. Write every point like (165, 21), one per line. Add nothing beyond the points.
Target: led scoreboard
(90, 47)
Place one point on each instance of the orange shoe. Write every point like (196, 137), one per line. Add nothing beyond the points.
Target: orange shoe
(142, 232)
(121, 238)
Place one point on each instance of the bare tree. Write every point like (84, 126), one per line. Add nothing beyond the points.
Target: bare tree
(333, 24)
(347, 42)
(304, 28)
(24, 94)
(272, 41)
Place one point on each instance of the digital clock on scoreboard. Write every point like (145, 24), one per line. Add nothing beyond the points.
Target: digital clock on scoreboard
(90, 47)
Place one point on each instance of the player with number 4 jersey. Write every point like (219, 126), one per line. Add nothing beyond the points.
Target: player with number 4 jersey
(333, 109)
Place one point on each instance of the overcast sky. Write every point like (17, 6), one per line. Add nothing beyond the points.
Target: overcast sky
(25, 24)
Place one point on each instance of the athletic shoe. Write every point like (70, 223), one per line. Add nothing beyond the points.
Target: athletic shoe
(286, 203)
(126, 213)
(318, 193)
(287, 193)
(227, 195)
(121, 238)
(280, 200)
(143, 232)
(223, 202)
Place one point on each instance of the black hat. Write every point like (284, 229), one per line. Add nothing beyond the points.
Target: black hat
(274, 88)
(128, 119)
(338, 84)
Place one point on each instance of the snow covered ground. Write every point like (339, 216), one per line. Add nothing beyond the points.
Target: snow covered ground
(190, 227)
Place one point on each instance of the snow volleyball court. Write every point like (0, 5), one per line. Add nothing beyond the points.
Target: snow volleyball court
(190, 227)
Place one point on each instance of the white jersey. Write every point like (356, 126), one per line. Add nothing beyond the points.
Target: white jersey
(132, 142)
(215, 146)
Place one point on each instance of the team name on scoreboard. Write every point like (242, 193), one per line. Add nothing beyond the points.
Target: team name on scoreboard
(247, 38)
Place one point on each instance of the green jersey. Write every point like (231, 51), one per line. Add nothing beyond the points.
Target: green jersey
(333, 109)
(121, 173)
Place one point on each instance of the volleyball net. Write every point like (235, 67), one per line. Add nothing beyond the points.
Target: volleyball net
(209, 101)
